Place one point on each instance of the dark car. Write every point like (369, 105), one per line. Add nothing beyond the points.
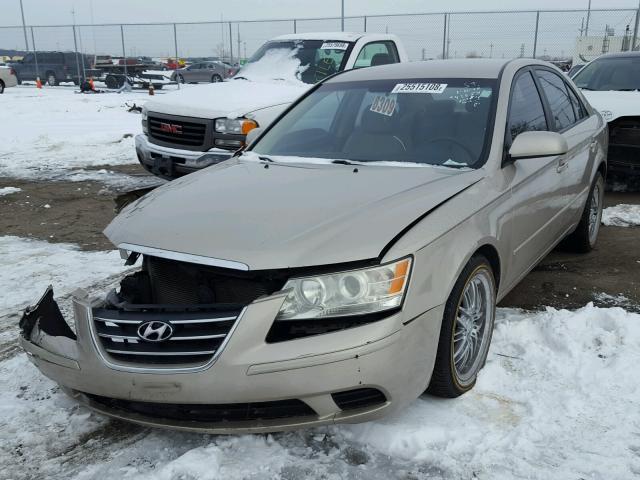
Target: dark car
(51, 67)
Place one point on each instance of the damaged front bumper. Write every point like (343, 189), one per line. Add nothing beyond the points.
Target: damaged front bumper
(249, 385)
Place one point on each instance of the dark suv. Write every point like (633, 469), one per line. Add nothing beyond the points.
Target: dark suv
(52, 67)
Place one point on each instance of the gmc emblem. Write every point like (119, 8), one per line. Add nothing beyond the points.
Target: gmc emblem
(170, 128)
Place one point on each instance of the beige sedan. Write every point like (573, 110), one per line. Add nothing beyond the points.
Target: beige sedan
(347, 261)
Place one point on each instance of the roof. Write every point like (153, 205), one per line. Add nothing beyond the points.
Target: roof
(466, 68)
(339, 36)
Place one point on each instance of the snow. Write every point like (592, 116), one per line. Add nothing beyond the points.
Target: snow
(9, 190)
(54, 133)
(622, 215)
(556, 400)
(277, 63)
(29, 266)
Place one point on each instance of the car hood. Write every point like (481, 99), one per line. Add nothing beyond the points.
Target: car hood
(231, 98)
(286, 215)
(613, 104)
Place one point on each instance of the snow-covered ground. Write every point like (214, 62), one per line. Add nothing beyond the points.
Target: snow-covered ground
(558, 399)
(55, 133)
(621, 215)
(9, 190)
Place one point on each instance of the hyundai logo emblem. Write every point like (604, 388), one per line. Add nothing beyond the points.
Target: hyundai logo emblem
(155, 331)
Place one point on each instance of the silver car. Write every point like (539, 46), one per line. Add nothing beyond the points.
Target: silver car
(345, 263)
(203, 72)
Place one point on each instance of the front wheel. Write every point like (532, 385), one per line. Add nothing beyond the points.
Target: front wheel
(1, 87)
(465, 334)
(52, 80)
(584, 238)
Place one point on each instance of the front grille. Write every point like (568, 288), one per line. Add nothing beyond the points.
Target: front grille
(230, 412)
(359, 398)
(178, 132)
(625, 131)
(196, 338)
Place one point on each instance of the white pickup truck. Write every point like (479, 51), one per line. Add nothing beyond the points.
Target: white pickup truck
(201, 125)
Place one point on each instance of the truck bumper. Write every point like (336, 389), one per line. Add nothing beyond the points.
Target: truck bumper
(172, 163)
(348, 376)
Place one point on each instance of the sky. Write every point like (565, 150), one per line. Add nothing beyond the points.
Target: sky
(48, 12)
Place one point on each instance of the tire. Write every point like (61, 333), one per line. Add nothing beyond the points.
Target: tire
(180, 79)
(215, 78)
(584, 237)
(111, 82)
(1, 87)
(456, 367)
(52, 80)
(18, 81)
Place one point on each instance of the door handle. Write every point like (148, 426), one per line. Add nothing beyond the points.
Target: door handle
(562, 165)
(593, 146)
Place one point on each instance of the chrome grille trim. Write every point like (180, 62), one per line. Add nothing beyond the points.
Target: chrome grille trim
(175, 322)
(156, 369)
(160, 354)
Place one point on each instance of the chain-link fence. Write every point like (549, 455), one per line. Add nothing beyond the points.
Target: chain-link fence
(577, 35)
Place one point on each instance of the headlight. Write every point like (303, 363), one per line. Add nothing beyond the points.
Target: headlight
(235, 126)
(145, 127)
(355, 292)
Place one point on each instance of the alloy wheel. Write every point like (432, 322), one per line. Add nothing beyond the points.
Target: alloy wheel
(595, 212)
(473, 324)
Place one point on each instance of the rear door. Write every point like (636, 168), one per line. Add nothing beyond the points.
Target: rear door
(27, 69)
(573, 122)
(536, 188)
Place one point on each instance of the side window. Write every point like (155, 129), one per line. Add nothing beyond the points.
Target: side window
(28, 58)
(377, 53)
(525, 111)
(578, 107)
(555, 90)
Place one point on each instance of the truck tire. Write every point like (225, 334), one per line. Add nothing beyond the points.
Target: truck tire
(112, 81)
(52, 80)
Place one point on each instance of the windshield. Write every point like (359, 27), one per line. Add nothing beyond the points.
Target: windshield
(427, 121)
(308, 61)
(614, 73)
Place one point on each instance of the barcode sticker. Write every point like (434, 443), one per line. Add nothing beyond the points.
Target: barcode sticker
(334, 46)
(419, 88)
(384, 105)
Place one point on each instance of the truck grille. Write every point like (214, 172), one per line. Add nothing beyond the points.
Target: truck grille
(196, 336)
(178, 132)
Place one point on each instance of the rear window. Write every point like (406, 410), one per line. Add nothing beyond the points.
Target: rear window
(415, 121)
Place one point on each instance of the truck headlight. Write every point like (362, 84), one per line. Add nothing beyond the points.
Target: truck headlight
(355, 292)
(235, 126)
(145, 127)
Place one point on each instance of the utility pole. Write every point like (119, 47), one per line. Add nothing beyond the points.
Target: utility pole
(341, 17)
(230, 44)
(491, 50)
(239, 44)
(586, 27)
(635, 29)
(24, 27)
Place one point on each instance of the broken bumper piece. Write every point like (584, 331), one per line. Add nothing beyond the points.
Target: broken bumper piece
(251, 385)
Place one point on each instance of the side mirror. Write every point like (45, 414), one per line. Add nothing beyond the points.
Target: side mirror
(252, 135)
(538, 144)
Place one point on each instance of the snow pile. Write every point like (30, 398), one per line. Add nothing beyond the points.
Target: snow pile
(556, 400)
(276, 64)
(9, 190)
(54, 130)
(622, 215)
(29, 266)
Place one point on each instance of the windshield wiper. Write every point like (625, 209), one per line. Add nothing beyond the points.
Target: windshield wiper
(266, 159)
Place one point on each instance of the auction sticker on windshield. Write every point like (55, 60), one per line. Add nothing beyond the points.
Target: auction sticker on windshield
(334, 46)
(384, 105)
(419, 88)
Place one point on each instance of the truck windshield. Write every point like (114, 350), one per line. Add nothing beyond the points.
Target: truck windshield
(613, 73)
(414, 121)
(304, 60)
